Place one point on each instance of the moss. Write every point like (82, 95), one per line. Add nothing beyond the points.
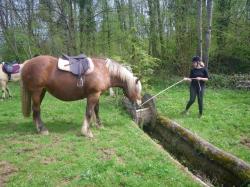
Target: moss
(236, 166)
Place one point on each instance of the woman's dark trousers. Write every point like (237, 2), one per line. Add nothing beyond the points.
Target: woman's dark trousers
(199, 92)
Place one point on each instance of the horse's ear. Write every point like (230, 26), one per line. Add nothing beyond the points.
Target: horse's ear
(136, 81)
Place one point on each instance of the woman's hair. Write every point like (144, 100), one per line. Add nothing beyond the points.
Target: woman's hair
(196, 59)
(201, 64)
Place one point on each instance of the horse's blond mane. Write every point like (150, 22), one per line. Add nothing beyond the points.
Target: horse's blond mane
(117, 70)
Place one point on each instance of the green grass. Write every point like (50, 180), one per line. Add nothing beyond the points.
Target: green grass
(119, 155)
(226, 118)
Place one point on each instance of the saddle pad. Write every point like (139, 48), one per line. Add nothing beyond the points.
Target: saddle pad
(11, 68)
(65, 65)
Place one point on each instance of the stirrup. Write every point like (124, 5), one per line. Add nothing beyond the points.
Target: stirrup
(80, 82)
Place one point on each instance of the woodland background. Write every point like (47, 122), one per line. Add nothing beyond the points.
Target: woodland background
(150, 35)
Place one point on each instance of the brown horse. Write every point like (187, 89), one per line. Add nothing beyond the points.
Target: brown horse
(41, 74)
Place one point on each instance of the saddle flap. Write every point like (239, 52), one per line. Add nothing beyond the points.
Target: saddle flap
(63, 64)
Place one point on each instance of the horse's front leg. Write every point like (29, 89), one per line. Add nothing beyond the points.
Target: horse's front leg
(98, 121)
(92, 100)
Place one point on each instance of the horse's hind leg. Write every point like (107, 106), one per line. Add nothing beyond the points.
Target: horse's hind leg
(92, 100)
(3, 94)
(37, 98)
(3, 84)
(8, 92)
(98, 121)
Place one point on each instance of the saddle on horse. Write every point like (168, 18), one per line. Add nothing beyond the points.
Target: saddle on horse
(11, 68)
(78, 65)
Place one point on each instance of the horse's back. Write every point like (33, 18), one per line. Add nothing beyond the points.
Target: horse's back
(36, 70)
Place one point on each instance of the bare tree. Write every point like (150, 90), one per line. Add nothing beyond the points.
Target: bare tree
(199, 28)
(152, 28)
(160, 26)
(71, 28)
(209, 28)
(5, 17)
(130, 13)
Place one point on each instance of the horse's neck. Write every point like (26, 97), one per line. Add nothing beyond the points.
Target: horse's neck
(117, 82)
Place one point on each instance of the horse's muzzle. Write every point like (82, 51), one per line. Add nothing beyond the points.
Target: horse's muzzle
(138, 102)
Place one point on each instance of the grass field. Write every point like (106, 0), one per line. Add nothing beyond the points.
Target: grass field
(226, 119)
(119, 155)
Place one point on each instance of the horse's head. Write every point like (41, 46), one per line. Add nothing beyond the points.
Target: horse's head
(134, 92)
(122, 77)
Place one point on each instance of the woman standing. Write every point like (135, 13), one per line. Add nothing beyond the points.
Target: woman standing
(198, 76)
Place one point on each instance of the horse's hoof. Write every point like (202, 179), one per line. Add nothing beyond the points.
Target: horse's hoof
(88, 134)
(44, 132)
(99, 126)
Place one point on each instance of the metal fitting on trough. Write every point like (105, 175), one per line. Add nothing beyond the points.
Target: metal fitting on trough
(142, 115)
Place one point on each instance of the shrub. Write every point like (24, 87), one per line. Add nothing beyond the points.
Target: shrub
(227, 81)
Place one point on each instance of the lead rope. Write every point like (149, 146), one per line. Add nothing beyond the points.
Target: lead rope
(199, 85)
(161, 92)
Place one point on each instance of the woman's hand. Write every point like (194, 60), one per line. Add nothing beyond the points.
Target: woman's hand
(198, 78)
(187, 79)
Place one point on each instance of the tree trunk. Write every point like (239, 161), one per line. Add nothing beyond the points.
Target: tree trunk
(120, 13)
(160, 27)
(131, 17)
(71, 29)
(30, 12)
(91, 25)
(199, 28)
(209, 28)
(106, 27)
(8, 35)
(248, 10)
(81, 22)
(153, 35)
(223, 21)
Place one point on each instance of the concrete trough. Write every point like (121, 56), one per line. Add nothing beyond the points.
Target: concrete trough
(202, 158)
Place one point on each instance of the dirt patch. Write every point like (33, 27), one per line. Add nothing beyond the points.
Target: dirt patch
(25, 150)
(107, 153)
(56, 140)
(48, 160)
(6, 170)
(120, 160)
(246, 142)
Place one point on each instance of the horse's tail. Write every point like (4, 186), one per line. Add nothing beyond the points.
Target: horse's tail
(26, 99)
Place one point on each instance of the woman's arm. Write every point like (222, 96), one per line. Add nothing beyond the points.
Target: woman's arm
(201, 79)
(190, 75)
